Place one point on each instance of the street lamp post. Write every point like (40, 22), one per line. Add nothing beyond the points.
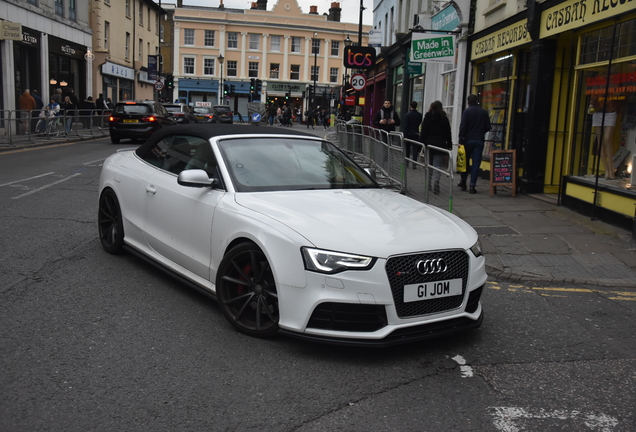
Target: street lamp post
(221, 59)
(347, 42)
(315, 74)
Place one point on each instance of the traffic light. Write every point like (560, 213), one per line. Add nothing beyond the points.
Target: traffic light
(252, 85)
(310, 90)
(170, 81)
(226, 89)
(287, 95)
(258, 86)
(232, 89)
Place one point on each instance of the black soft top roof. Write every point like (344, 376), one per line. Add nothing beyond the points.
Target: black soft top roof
(207, 131)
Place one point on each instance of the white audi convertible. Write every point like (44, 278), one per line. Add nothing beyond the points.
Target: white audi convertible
(291, 236)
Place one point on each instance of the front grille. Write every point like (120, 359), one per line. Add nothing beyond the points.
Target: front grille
(348, 317)
(401, 270)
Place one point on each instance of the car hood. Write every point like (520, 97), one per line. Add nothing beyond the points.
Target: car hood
(374, 222)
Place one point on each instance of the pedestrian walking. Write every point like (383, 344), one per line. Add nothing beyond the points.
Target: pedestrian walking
(411, 130)
(26, 103)
(309, 118)
(272, 114)
(57, 96)
(386, 119)
(39, 104)
(474, 125)
(69, 113)
(436, 131)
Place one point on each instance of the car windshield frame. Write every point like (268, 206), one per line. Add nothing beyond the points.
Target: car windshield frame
(174, 108)
(133, 108)
(223, 109)
(285, 163)
(202, 110)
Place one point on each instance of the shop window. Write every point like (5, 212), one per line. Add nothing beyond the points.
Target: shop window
(448, 92)
(605, 109)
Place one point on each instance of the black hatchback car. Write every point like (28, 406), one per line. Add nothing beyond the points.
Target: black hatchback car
(183, 114)
(223, 114)
(138, 120)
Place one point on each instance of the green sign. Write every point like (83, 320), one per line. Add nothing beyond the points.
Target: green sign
(415, 68)
(432, 47)
(446, 19)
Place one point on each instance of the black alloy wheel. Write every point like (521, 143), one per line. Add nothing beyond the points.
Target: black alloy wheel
(246, 291)
(109, 222)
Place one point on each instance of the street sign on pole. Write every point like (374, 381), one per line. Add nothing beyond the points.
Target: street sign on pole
(358, 82)
(158, 85)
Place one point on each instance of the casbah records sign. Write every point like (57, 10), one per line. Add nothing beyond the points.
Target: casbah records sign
(432, 48)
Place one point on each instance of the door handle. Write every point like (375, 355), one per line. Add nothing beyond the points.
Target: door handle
(151, 190)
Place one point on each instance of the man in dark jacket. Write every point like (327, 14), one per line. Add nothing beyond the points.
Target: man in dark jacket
(411, 130)
(386, 118)
(474, 125)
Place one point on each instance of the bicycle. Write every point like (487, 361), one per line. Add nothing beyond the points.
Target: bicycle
(54, 126)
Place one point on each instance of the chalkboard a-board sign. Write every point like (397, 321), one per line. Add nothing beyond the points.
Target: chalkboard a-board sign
(503, 170)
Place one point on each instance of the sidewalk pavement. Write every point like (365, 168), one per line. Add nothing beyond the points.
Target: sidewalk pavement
(531, 238)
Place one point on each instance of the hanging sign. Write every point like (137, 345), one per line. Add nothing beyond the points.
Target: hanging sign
(10, 30)
(432, 48)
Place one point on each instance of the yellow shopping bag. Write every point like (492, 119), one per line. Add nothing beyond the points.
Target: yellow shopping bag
(461, 159)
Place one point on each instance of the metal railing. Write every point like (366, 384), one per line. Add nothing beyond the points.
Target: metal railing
(18, 126)
(383, 151)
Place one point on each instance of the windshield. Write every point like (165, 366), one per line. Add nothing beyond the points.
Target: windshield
(173, 108)
(222, 109)
(280, 163)
(202, 110)
(132, 109)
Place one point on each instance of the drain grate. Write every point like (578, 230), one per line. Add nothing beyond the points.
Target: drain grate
(495, 230)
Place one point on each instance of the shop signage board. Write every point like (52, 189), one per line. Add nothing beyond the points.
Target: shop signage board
(375, 38)
(432, 48)
(504, 39)
(572, 14)
(356, 57)
(11, 31)
(109, 68)
(503, 167)
(153, 67)
(446, 19)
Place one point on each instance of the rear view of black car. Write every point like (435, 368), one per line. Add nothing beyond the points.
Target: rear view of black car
(223, 114)
(182, 113)
(138, 120)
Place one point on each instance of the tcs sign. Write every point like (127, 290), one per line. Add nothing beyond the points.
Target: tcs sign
(356, 57)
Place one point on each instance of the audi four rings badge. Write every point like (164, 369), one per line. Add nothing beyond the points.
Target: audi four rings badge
(431, 266)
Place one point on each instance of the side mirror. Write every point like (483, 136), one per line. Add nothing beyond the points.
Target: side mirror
(196, 178)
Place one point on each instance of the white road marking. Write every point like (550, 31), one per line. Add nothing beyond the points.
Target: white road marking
(467, 371)
(45, 187)
(26, 179)
(505, 418)
(95, 161)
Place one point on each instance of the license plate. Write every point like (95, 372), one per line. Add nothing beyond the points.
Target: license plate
(131, 121)
(432, 290)
(200, 117)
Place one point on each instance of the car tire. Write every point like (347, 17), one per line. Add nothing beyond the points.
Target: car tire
(109, 222)
(246, 291)
(114, 140)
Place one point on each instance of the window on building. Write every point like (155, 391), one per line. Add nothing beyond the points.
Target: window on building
(232, 40)
(448, 90)
(255, 41)
(127, 46)
(315, 46)
(140, 53)
(252, 69)
(315, 72)
(209, 38)
(127, 8)
(274, 70)
(232, 68)
(72, 10)
(32, 2)
(106, 34)
(188, 65)
(148, 17)
(294, 72)
(188, 37)
(274, 44)
(59, 7)
(335, 48)
(333, 75)
(295, 46)
(158, 28)
(141, 14)
(208, 66)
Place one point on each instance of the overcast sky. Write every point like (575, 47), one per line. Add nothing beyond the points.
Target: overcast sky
(350, 8)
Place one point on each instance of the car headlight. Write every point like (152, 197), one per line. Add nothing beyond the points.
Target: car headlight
(323, 261)
(476, 249)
